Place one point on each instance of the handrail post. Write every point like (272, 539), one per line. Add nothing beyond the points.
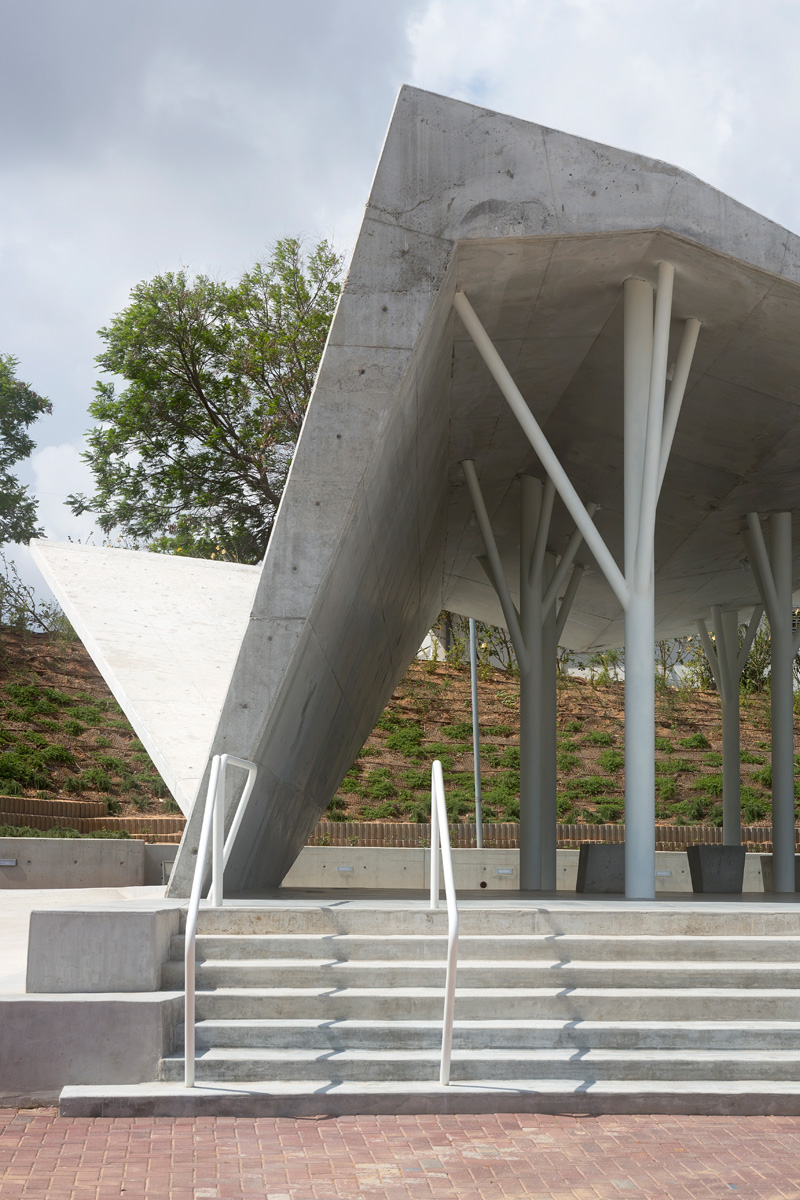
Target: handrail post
(440, 838)
(218, 838)
(214, 814)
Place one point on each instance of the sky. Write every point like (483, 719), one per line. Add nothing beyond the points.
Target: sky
(139, 136)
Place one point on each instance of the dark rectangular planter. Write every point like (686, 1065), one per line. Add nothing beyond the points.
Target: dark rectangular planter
(601, 868)
(716, 868)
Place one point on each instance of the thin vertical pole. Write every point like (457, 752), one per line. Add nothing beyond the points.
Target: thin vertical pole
(476, 732)
(639, 615)
(781, 698)
(728, 651)
(549, 739)
(530, 694)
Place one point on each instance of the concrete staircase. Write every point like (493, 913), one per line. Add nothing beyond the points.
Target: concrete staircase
(599, 1006)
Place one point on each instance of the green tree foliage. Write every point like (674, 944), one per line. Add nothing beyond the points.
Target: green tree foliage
(192, 455)
(19, 408)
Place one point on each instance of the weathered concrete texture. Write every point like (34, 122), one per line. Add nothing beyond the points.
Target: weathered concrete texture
(601, 868)
(164, 632)
(100, 949)
(766, 871)
(71, 863)
(47, 1041)
(716, 868)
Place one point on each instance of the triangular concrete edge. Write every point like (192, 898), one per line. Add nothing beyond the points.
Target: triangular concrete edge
(164, 632)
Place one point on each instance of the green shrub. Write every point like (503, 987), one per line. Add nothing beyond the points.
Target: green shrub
(754, 809)
(589, 817)
(714, 816)
(406, 741)
(566, 760)
(712, 784)
(594, 785)
(460, 732)
(573, 726)
(667, 788)
(664, 745)
(114, 807)
(380, 812)
(114, 766)
(501, 731)
(368, 751)
(56, 753)
(714, 759)
(599, 737)
(610, 810)
(746, 756)
(74, 728)
(764, 776)
(24, 766)
(96, 779)
(491, 754)
(102, 742)
(378, 784)
(675, 765)
(695, 741)
(171, 805)
(61, 831)
(416, 778)
(90, 715)
(611, 760)
(510, 757)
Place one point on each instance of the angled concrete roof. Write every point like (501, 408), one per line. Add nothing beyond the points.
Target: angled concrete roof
(375, 532)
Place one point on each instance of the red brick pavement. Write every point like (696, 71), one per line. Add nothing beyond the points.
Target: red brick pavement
(398, 1158)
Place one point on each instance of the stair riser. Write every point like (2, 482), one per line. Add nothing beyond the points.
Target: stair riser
(528, 975)
(434, 949)
(390, 1037)
(765, 1070)
(219, 1007)
(622, 919)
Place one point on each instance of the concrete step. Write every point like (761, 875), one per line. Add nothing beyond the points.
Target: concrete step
(326, 1035)
(532, 947)
(522, 1003)
(630, 918)
(254, 1063)
(293, 1098)
(337, 974)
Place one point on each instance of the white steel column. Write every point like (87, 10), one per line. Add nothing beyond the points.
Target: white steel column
(640, 845)
(773, 573)
(649, 426)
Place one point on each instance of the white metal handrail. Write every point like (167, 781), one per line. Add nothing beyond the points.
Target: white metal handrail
(220, 852)
(440, 838)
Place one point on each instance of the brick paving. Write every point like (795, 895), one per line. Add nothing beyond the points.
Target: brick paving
(397, 1158)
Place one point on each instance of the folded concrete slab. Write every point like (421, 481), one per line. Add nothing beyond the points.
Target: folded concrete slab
(164, 632)
(376, 533)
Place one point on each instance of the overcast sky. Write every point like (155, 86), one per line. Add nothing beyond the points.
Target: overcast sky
(142, 135)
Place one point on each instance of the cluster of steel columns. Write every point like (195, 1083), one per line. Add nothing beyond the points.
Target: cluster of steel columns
(651, 411)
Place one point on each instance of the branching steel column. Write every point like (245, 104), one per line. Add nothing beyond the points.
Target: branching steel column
(549, 738)
(727, 662)
(649, 426)
(773, 573)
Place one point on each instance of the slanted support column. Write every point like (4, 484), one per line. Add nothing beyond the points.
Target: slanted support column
(773, 572)
(727, 662)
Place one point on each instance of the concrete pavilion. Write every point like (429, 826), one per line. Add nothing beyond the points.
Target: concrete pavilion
(561, 392)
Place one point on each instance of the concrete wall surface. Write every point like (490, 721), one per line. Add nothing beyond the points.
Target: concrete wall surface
(72, 862)
(47, 1042)
(100, 949)
(498, 870)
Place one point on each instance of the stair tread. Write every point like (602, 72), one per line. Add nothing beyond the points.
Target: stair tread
(488, 1054)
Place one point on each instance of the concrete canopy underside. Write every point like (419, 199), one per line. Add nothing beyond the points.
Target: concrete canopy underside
(375, 533)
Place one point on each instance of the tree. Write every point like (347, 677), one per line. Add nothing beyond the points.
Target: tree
(192, 455)
(19, 408)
